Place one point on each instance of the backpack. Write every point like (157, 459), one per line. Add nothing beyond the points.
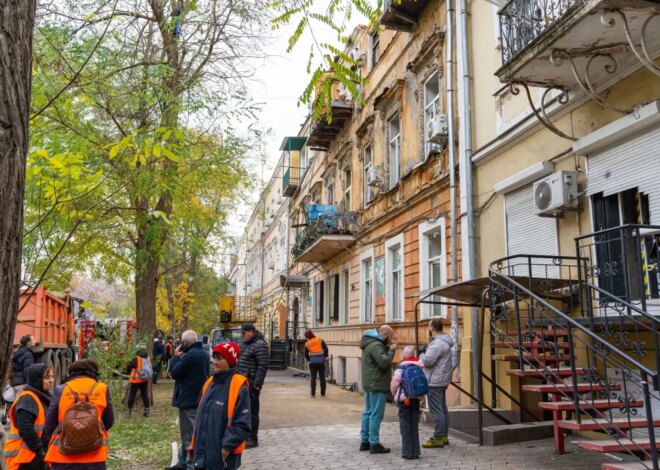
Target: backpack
(146, 372)
(80, 431)
(413, 381)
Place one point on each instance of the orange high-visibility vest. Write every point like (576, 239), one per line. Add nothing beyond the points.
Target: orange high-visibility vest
(135, 373)
(80, 385)
(315, 346)
(169, 348)
(16, 452)
(237, 381)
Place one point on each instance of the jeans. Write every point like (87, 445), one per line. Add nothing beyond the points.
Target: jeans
(320, 370)
(254, 412)
(142, 387)
(186, 428)
(409, 427)
(374, 410)
(439, 412)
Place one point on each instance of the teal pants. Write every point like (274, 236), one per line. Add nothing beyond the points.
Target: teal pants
(372, 416)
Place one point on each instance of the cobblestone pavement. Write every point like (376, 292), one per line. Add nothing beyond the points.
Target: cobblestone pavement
(299, 432)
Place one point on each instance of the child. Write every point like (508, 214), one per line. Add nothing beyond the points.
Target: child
(408, 408)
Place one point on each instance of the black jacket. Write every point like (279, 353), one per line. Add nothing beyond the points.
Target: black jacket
(254, 360)
(189, 371)
(211, 431)
(20, 361)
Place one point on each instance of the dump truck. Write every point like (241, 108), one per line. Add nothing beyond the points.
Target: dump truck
(50, 319)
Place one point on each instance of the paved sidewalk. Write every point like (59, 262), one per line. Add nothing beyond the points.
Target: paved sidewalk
(299, 432)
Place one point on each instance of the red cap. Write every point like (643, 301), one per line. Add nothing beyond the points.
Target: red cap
(229, 350)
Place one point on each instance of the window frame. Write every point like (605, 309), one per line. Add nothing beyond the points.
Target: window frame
(425, 229)
(390, 297)
(345, 295)
(318, 302)
(347, 185)
(367, 255)
(374, 50)
(429, 146)
(368, 192)
(394, 141)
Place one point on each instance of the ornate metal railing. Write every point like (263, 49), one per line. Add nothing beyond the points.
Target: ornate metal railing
(336, 224)
(297, 361)
(543, 309)
(523, 21)
(296, 330)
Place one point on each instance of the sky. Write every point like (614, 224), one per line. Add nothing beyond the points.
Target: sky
(279, 81)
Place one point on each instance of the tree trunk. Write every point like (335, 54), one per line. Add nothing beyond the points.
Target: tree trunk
(16, 24)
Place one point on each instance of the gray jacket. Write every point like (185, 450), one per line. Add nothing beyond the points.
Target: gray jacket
(437, 361)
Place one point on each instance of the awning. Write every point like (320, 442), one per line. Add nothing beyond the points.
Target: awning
(469, 292)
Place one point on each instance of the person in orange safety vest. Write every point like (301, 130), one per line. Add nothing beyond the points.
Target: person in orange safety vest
(138, 383)
(24, 448)
(83, 381)
(221, 431)
(315, 352)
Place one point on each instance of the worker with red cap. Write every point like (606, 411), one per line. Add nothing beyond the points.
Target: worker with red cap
(223, 417)
(315, 352)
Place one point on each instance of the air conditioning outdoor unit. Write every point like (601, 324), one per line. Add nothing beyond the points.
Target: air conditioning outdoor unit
(374, 177)
(555, 193)
(355, 54)
(437, 129)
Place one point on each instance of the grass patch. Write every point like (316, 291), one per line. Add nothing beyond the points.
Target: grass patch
(140, 442)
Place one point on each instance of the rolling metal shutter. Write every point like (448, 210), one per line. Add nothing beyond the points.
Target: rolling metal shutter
(634, 163)
(527, 233)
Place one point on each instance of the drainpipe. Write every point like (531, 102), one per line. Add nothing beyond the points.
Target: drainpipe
(449, 71)
(469, 248)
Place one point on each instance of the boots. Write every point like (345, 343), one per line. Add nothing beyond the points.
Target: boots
(128, 413)
(146, 412)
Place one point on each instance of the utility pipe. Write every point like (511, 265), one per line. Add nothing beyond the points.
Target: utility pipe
(449, 74)
(470, 250)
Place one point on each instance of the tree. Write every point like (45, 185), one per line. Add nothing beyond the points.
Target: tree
(16, 26)
(147, 117)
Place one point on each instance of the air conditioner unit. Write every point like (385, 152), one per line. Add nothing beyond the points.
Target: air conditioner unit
(374, 177)
(437, 129)
(556, 193)
(355, 54)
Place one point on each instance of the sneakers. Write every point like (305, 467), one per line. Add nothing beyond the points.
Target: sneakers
(251, 443)
(379, 449)
(434, 443)
(445, 440)
(364, 446)
(411, 457)
(127, 413)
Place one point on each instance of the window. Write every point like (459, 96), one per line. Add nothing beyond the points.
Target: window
(394, 288)
(432, 263)
(394, 149)
(367, 287)
(368, 165)
(330, 189)
(345, 297)
(431, 108)
(375, 48)
(333, 297)
(318, 302)
(346, 183)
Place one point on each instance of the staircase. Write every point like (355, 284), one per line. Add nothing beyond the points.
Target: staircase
(589, 356)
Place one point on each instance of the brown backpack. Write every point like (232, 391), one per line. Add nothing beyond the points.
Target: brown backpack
(80, 430)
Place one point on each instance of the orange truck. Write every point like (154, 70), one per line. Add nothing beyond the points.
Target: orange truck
(50, 319)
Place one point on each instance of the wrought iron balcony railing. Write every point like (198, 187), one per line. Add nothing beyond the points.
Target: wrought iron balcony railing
(522, 22)
(335, 224)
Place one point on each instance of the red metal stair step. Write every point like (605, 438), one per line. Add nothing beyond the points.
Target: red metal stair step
(568, 388)
(550, 357)
(543, 372)
(622, 445)
(601, 424)
(546, 333)
(528, 345)
(567, 405)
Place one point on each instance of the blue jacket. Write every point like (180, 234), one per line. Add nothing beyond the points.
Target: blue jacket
(211, 431)
(189, 371)
(20, 361)
(159, 349)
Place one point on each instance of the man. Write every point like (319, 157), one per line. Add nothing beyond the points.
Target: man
(20, 361)
(253, 364)
(438, 369)
(378, 348)
(158, 355)
(169, 353)
(190, 368)
(137, 383)
(315, 352)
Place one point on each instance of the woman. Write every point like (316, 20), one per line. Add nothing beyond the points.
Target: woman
(25, 449)
(221, 431)
(83, 381)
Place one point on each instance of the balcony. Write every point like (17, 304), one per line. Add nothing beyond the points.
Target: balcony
(294, 167)
(327, 234)
(577, 43)
(401, 15)
(329, 124)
